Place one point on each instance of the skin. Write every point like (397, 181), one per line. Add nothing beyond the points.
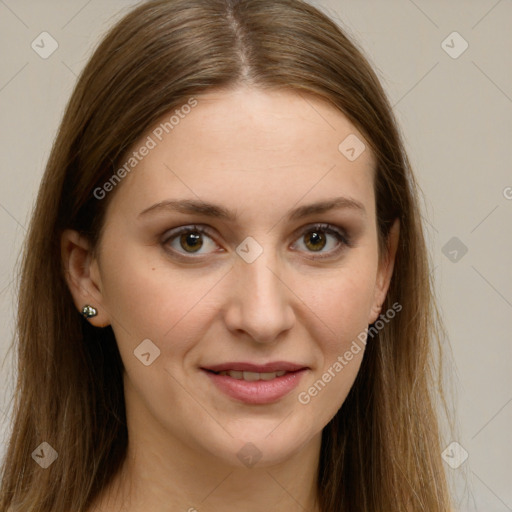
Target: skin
(258, 154)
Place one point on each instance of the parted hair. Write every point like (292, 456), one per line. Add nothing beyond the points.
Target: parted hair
(381, 451)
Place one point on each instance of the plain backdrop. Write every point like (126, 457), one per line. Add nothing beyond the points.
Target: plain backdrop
(454, 105)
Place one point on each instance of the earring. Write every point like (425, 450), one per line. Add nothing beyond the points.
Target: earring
(89, 311)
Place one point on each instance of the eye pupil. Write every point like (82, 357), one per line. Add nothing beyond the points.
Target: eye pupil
(315, 238)
(191, 239)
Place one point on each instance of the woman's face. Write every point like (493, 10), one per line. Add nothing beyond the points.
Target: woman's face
(246, 235)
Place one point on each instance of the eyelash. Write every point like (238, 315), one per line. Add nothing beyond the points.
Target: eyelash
(340, 234)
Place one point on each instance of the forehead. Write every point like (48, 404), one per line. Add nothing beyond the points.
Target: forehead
(249, 147)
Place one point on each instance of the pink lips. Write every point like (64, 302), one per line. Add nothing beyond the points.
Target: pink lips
(274, 366)
(260, 391)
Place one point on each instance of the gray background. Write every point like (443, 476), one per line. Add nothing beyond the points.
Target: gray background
(456, 116)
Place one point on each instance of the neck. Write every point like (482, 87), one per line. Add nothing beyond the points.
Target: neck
(154, 481)
(161, 472)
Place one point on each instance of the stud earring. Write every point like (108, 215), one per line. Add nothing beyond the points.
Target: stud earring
(89, 311)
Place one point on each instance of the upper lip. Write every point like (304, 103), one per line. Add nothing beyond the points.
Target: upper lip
(257, 368)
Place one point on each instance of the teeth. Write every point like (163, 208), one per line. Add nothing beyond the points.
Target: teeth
(252, 376)
(233, 373)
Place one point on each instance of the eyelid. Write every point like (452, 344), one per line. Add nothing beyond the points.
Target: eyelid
(324, 226)
(171, 234)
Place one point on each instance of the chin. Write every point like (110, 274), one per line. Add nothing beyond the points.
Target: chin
(260, 446)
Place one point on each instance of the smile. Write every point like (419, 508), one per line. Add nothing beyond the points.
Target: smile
(251, 376)
(255, 388)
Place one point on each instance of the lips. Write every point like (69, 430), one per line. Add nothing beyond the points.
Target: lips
(255, 384)
(275, 366)
(251, 376)
(253, 372)
(255, 388)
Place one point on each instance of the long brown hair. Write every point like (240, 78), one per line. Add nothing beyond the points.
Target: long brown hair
(381, 451)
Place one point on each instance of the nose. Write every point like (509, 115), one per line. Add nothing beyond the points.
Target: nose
(260, 303)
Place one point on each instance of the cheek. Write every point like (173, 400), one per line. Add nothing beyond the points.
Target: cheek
(342, 302)
(148, 300)
(343, 308)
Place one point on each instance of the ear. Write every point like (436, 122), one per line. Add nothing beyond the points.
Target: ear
(82, 275)
(385, 271)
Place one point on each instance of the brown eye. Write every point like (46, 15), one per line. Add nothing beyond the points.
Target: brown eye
(324, 239)
(192, 240)
(189, 240)
(315, 240)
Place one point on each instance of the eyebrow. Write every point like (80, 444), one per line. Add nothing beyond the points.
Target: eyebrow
(200, 207)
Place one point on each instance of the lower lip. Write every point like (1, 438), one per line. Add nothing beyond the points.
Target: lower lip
(258, 391)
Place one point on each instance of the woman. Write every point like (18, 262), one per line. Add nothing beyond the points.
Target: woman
(225, 298)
